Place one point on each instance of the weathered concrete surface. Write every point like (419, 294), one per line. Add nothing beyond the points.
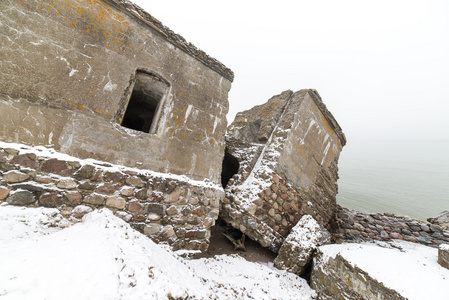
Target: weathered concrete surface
(68, 68)
(336, 278)
(288, 151)
(297, 250)
(443, 255)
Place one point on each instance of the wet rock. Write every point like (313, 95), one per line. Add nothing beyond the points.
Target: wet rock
(21, 197)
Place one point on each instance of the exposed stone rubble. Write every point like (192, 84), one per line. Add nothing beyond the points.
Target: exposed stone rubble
(167, 209)
(287, 150)
(442, 219)
(443, 255)
(297, 250)
(356, 226)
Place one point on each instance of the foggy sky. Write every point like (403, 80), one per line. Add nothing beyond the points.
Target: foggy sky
(381, 67)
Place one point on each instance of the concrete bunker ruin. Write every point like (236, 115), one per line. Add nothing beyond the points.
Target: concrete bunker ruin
(110, 82)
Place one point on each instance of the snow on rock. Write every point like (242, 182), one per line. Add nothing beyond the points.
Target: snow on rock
(405, 269)
(232, 277)
(104, 258)
(296, 251)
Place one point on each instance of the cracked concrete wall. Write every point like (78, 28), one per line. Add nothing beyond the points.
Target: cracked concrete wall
(67, 69)
(288, 150)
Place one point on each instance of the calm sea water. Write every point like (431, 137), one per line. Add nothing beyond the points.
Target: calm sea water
(406, 177)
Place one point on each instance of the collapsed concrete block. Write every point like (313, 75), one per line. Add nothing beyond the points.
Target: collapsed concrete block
(443, 255)
(280, 164)
(298, 248)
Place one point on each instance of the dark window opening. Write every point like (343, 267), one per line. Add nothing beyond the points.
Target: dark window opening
(145, 102)
(230, 167)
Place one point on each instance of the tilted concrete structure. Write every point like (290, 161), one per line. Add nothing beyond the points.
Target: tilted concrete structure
(281, 164)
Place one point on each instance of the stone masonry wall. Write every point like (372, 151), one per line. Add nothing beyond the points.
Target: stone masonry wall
(167, 209)
(356, 226)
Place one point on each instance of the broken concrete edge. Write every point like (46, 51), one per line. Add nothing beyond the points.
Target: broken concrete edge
(328, 115)
(334, 277)
(141, 15)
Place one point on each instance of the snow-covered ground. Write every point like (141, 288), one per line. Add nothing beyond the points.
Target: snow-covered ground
(42, 256)
(408, 268)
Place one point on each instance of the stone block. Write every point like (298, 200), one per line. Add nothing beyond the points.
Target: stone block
(135, 181)
(15, 176)
(74, 198)
(134, 206)
(443, 255)
(80, 211)
(152, 229)
(126, 191)
(4, 192)
(106, 188)
(21, 197)
(85, 172)
(26, 160)
(296, 251)
(116, 202)
(56, 166)
(51, 200)
(66, 183)
(94, 199)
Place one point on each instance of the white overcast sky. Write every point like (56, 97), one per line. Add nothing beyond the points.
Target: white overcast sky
(381, 67)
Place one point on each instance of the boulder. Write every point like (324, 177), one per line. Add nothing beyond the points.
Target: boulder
(442, 219)
(297, 250)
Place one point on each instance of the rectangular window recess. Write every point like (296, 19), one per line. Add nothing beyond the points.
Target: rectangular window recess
(143, 110)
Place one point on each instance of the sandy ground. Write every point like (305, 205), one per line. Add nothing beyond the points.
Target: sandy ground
(219, 244)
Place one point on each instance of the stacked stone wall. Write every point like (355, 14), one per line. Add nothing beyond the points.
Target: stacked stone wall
(356, 226)
(165, 208)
